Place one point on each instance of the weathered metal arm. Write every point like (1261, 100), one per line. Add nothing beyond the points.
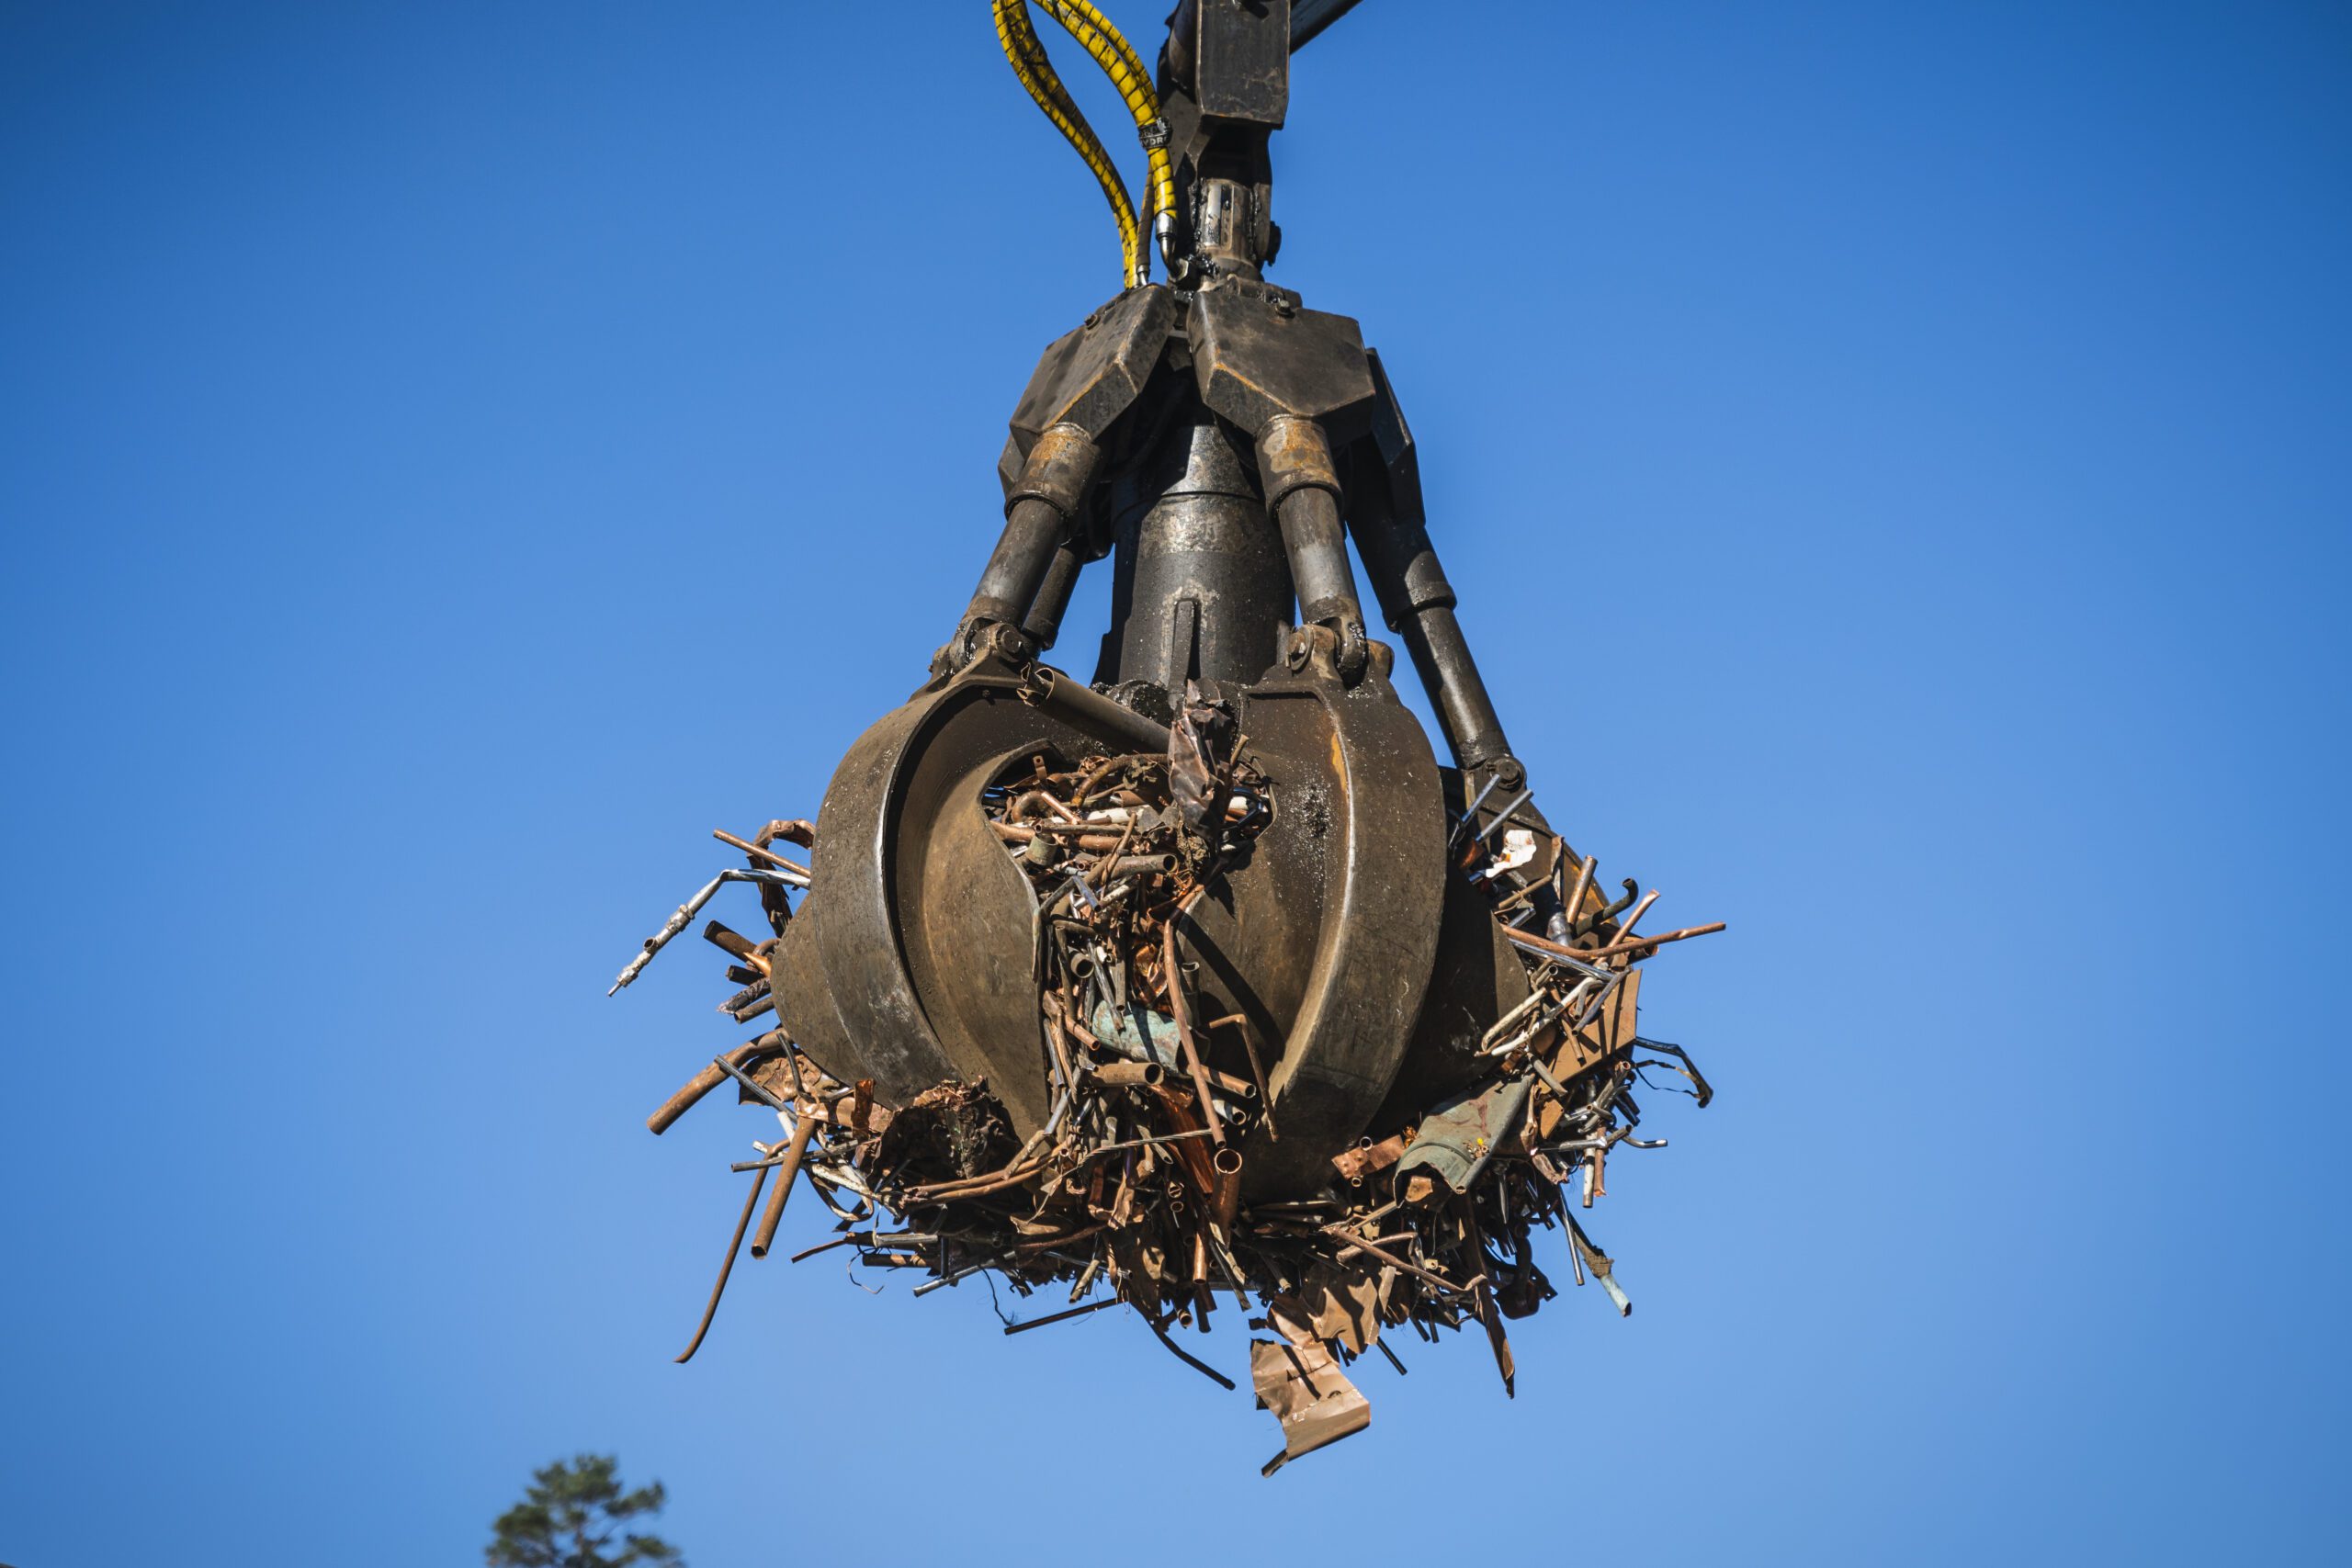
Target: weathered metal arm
(1303, 492)
(1038, 512)
(1417, 601)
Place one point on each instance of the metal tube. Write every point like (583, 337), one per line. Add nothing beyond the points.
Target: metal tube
(1063, 1316)
(1089, 709)
(725, 1269)
(687, 910)
(691, 1092)
(1396, 1262)
(1625, 926)
(768, 855)
(787, 1176)
(1470, 812)
(1575, 905)
(1184, 1029)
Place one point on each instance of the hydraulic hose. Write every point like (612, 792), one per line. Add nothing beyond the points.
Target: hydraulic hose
(1110, 50)
(1102, 39)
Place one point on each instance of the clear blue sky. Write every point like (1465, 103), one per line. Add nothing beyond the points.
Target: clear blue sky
(453, 456)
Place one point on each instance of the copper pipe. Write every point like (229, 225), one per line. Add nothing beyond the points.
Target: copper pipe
(1183, 1027)
(749, 848)
(785, 1175)
(1099, 875)
(1136, 865)
(743, 947)
(791, 830)
(1021, 804)
(1017, 833)
(1125, 1073)
(972, 1186)
(1393, 1261)
(1060, 1045)
(750, 1199)
(1018, 1178)
(1343, 1254)
(1227, 1196)
(1625, 927)
(1047, 1243)
(1585, 955)
(1572, 908)
(690, 1093)
(1143, 1144)
(1257, 1070)
(1188, 1118)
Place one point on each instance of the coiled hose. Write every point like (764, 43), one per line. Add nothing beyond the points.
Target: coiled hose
(1110, 50)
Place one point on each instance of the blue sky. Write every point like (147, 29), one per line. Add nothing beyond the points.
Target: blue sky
(1896, 462)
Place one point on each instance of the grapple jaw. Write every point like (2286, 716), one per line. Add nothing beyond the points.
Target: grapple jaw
(916, 957)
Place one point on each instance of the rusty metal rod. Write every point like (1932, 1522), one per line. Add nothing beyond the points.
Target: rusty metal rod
(1063, 1316)
(1249, 1049)
(1416, 1271)
(988, 1181)
(1585, 955)
(1625, 927)
(1186, 1356)
(750, 1199)
(691, 1092)
(1376, 1241)
(1021, 832)
(759, 1091)
(1145, 1143)
(787, 1176)
(1183, 1026)
(1470, 812)
(726, 940)
(1575, 905)
(1047, 1243)
(1125, 1073)
(749, 848)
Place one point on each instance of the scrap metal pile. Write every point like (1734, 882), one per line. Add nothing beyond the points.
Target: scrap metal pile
(1131, 1191)
(1204, 979)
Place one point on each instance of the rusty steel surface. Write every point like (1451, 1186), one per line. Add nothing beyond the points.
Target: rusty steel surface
(1205, 983)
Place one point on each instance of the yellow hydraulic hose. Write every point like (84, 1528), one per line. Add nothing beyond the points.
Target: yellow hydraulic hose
(1102, 39)
(1027, 55)
(1110, 50)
